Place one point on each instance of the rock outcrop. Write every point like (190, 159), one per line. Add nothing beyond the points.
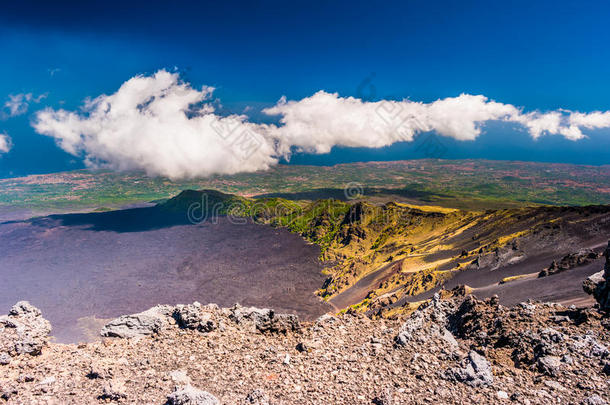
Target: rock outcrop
(265, 320)
(137, 325)
(202, 318)
(580, 258)
(22, 331)
(599, 284)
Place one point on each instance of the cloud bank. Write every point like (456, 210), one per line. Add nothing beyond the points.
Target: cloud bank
(166, 127)
(5, 143)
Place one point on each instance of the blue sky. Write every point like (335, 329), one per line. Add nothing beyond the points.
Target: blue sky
(540, 56)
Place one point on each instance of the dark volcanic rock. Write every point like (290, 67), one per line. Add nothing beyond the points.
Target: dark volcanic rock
(257, 397)
(582, 257)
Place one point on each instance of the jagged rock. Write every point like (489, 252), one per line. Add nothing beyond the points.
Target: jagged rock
(198, 317)
(554, 385)
(384, 398)
(476, 371)
(265, 320)
(114, 391)
(29, 345)
(549, 365)
(351, 360)
(99, 369)
(501, 256)
(23, 330)
(257, 397)
(591, 282)
(588, 346)
(193, 317)
(191, 396)
(4, 359)
(137, 325)
(7, 393)
(428, 321)
(594, 400)
(601, 289)
(45, 384)
(580, 258)
(24, 308)
(449, 338)
(327, 319)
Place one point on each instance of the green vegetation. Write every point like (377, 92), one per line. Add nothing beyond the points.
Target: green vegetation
(513, 278)
(467, 184)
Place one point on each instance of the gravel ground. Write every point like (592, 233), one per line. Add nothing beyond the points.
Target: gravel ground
(457, 350)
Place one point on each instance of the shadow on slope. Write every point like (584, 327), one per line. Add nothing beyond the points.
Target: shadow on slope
(340, 194)
(188, 207)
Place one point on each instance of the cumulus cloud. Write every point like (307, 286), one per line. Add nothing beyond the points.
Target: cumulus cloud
(166, 127)
(161, 125)
(5, 143)
(317, 123)
(18, 104)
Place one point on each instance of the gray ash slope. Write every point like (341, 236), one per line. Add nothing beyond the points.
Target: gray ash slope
(78, 266)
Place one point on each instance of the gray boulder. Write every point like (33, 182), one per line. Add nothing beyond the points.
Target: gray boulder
(145, 323)
(430, 320)
(549, 365)
(590, 284)
(191, 396)
(23, 330)
(257, 397)
(194, 317)
(594, 400)
(476, 371)
(23, 309)
(600, 287)
(114, 391)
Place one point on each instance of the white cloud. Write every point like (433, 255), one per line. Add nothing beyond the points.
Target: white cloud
(593, 120)
(319, 122)
(161, 125)
(5, 143)
(18, 104)
(164, 126)
(324, 120)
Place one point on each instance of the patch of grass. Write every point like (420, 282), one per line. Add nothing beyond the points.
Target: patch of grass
(512, 278)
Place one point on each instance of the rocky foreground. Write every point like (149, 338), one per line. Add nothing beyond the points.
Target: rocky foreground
(453, 349)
